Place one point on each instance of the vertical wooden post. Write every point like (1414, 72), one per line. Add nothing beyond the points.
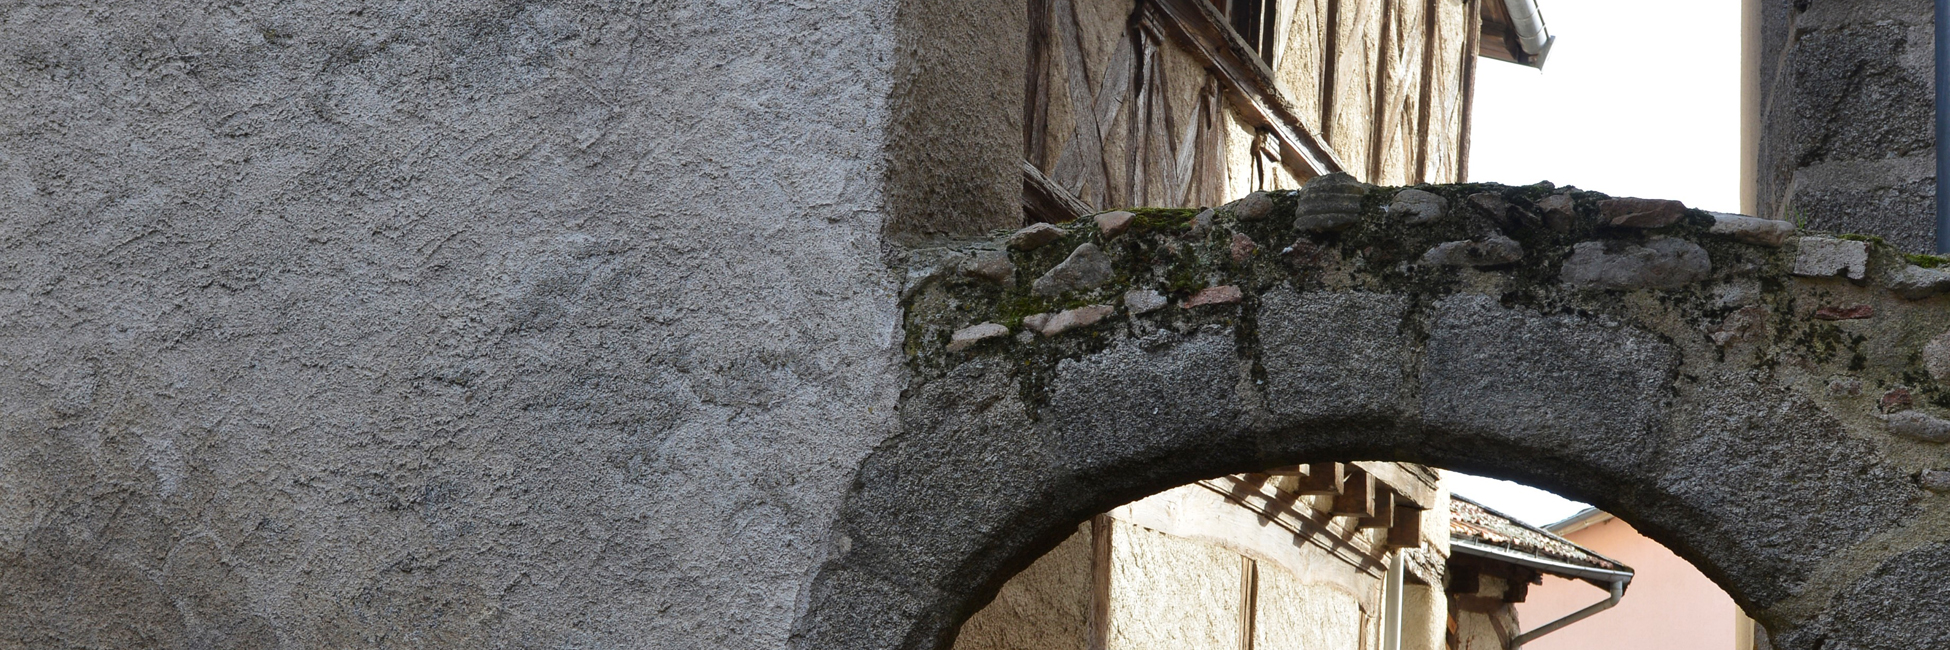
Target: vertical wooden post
(1329, 52)
(1407, 531)
(1035, 105)
(1384, 510)
(1100, 532)
(1357, 494)
(1248, 601)
(1472, 50)
(1430, 17)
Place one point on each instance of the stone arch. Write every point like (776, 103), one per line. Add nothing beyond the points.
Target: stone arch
(1757, 399)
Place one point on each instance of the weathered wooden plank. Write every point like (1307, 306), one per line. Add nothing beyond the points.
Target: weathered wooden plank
(1357, 50)
(1103, 26)
(1248, 601)
(1399, 91)
(1209, 173)
(1100, 552)
(1444, 133)
(1357, 497)
(1330, 32)
(1472, 45)
(1324, 478)
(1384, 510)
(1137, 123)
(1116, 85)
(1299, 53)
(1247, 82)
(1080, 168)
(1060, 130)
(1043, 201)
(1182, 99)
(1407, 531)
(1410, 487)
(1035, 105)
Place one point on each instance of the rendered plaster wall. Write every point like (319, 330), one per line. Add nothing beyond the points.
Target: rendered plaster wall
(1045, 607)
(1171, 593)
(1846, 116)
(1424, 617)
(1295, 614)
(1483, 621)
(435, 323)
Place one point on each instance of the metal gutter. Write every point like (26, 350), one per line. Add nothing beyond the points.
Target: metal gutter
(1942, 126)
(1536, 39)
(1617, 593)
(1553, 567)
(1585, 518)
(1615, 582)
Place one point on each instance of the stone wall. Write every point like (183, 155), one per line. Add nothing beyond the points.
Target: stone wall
(436, 323)
(1847, 110)
(1770, 404)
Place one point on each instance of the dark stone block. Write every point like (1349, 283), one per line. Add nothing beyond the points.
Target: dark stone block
(1904, 214)
(1557, 384)
(1897, 607)
(1853, 98)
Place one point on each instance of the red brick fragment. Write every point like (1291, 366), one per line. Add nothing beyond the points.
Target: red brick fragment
(1220, 295)
(1242, 247)
(1896, 400)
(1641, 213)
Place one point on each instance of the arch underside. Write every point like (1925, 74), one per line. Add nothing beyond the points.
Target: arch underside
(1731, 416)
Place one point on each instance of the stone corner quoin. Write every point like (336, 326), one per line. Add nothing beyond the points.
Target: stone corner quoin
(1639, 354)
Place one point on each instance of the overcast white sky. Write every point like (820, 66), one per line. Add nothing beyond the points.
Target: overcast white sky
(1638, 98)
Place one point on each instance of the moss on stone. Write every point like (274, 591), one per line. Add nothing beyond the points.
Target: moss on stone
(1382, 254)
(1154, 220)
(1926, 261)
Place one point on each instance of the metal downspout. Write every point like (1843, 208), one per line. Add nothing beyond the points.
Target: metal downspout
(1616, 580)
(1942, 125)
(1532, 35)
(1617, 593)
(1391, 606)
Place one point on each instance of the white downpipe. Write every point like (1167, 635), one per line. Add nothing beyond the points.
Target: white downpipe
(1391, 604)
(1531, 32)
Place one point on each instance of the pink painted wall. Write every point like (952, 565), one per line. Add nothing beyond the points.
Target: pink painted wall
(1670, 605)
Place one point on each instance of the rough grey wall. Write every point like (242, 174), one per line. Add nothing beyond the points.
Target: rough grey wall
(1847, 108)
(434, 323)
(955, 146)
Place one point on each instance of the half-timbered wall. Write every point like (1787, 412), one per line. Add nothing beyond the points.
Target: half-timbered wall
(1129, 103)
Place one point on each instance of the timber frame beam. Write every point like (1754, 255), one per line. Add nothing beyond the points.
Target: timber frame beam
(1247, 82)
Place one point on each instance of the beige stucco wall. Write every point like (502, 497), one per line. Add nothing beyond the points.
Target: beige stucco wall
(1171, 593)
(1177, 573)
(1482, 623)
(1425, 618)
(1046, 607)
(1295, 614)
(1670, 605)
